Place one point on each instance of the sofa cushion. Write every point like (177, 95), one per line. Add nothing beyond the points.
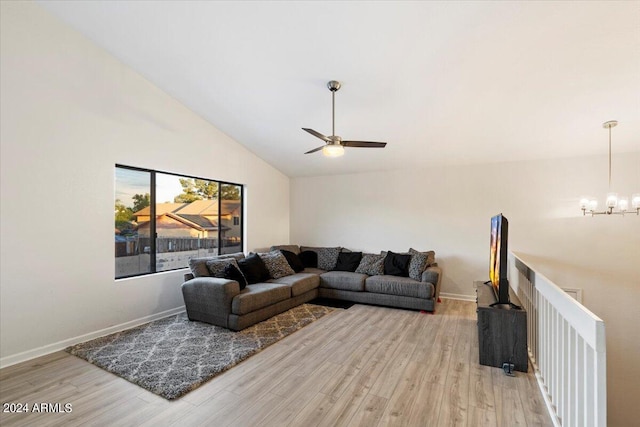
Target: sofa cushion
(198, 265)
(343, 280)
(277, 264)
(327, 257)
(348, 261)
(309, 259)
(299, 282)
(371, 264)
(397, 264)
(402, 286)
(254, 269)
(316, 271)
(293, 260)
(259, 295)
(291, 248)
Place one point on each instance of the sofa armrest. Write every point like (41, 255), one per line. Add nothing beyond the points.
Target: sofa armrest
(433, 274)
(208, 299)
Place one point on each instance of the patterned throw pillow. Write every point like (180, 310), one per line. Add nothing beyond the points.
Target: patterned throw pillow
(431, 255)
(216, 266)
(371, 264)
(327, 257)
(417, 265)
(198, 265)
(419, 262)
(277, 264)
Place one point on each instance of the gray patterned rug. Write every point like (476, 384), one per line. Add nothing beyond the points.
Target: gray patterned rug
(173, 356)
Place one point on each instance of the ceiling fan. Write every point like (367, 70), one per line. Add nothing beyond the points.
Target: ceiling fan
(334, 145)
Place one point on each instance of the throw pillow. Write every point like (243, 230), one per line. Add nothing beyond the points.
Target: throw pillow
(277, 264)
(397, 264)
(232, 272)
(348, 261)
(371, 264)
(327, 257)
(309, 259)
(198, 265)
(293, 260)
(417, 264)
(216, 266)
(254, 269)
(431, 256)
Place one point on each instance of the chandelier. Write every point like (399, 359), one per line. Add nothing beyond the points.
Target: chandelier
(615, 205)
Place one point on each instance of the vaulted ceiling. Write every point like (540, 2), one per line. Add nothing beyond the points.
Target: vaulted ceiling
(442, 82)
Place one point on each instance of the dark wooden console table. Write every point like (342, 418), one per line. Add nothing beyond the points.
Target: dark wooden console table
(502, 331)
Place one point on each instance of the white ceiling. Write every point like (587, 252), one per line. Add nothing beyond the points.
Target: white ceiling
(441, 82)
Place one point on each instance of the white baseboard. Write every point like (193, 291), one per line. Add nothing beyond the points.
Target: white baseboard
(61, 345)
(460, 297)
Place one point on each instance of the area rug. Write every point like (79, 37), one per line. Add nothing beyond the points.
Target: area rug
(174, 355)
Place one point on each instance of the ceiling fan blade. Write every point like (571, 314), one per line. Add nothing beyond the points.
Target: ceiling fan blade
(317, 134)
(314, 150)
(364, 144)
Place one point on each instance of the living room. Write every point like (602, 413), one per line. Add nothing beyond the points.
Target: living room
(71, 111)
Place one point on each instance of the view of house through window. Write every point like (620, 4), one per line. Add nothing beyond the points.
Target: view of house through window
(193, 217)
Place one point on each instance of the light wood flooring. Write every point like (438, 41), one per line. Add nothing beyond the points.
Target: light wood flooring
(368, 366)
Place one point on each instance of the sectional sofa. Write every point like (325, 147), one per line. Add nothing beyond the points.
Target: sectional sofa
(221, 301)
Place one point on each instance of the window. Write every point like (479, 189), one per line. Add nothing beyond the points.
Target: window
(187, 216)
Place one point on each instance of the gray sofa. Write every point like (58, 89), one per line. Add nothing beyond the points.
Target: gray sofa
(220, 301)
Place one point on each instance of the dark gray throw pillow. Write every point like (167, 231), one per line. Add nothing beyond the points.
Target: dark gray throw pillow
(309, 259)
(254, 269)
(348, 261)
(232, 272)
(293, 260)
(397, 264)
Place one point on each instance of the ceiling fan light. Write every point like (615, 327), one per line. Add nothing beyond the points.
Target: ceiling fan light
(332, 150)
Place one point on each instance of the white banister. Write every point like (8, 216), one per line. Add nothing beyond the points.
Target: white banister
(567, 348)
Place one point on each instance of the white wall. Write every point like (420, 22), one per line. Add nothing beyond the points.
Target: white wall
(69, 113)
(447, 209)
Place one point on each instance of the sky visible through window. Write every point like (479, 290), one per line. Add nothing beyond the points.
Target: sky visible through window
(131, 182)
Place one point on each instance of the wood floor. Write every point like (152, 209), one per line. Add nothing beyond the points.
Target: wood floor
(368, 366)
